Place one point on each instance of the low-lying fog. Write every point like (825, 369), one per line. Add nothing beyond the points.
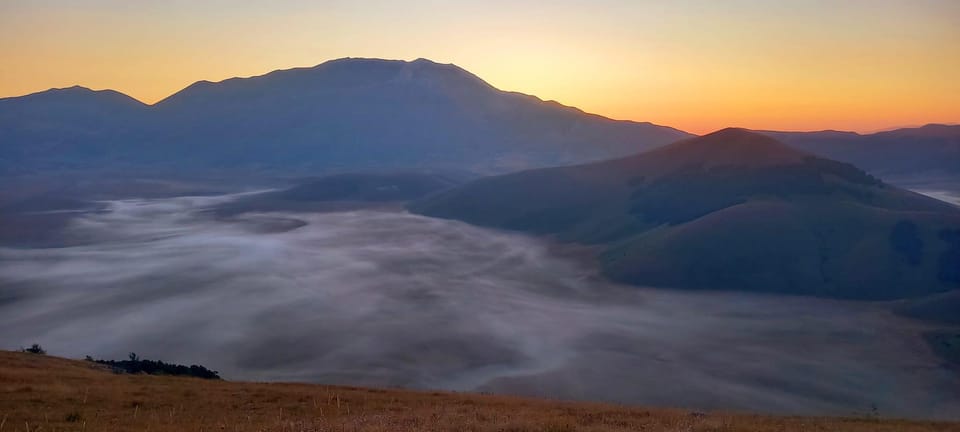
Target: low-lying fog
(950, 196)
(393, 299)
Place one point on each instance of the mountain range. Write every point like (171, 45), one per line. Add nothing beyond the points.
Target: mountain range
(342, 114)
(932, 149)
(730, 210)
(764, 211)
(350, 114)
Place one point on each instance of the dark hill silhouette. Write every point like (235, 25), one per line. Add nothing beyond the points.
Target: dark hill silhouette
(933, 148)
(729, 210)
(367, 113)
(364, 112)
(343, 114)
(65, 128)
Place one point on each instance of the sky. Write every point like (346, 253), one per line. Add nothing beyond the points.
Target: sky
(698, 65)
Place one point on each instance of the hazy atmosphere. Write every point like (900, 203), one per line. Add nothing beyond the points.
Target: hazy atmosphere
(698, 65)
(386, 298)
(489, 216)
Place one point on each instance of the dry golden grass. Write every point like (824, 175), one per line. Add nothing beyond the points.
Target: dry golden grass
(41, 393)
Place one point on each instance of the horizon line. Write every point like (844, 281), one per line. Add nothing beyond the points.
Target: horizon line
(242, 77)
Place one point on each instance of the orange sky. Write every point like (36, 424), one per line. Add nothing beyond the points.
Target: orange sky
(696, 65)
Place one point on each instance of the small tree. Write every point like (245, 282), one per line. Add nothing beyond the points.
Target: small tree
(34, 349)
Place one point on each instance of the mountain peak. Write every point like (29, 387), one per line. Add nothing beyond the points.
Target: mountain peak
(379, 71)
(731, 146)
(79, 90)
(738, 136)
(76, 88)
(929, 130)
(334, 75)
(56, 92)
(77, 94)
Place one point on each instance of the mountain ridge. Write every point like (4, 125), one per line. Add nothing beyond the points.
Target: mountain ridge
(74, 90)
(733, 146)
(932, 148)
(347, 113)
(339, 113)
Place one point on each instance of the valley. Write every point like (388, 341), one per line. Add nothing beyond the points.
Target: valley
(426, 250)
(381, 297)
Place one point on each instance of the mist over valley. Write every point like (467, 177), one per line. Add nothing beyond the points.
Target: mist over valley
(386, 298)
(390, 223)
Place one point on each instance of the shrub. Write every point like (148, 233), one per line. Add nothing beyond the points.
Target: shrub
(34, 349)
(136, 365)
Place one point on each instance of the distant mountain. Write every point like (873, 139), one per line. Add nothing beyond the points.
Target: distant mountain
(65, 128)
(928, 149)
(343, 114)
(729, 210)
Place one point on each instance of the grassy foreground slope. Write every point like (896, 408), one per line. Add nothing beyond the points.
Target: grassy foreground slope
(48, 393)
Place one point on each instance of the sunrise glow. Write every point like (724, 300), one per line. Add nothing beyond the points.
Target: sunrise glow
(695, 65)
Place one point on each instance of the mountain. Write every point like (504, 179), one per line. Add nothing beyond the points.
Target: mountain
(730, 210)
(61, 128)
(933, 148)
(343, 114)
(367, 113)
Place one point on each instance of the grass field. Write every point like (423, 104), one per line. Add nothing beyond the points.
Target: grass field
(42, 393)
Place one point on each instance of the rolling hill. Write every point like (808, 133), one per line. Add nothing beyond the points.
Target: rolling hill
(47, 393)
(930, 149)
(64, 129)
(730, 210)
(341, 115)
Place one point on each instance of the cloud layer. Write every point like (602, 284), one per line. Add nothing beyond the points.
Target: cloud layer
(393, 299)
